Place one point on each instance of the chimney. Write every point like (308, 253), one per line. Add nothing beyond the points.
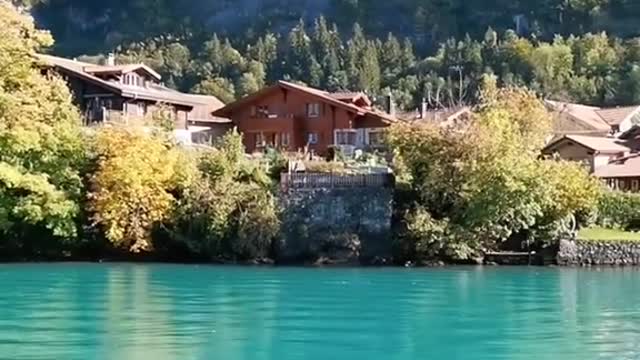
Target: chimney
(423, 108)
(111, 59)
(391, 106)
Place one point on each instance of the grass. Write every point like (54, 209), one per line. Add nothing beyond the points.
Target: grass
(602, 234)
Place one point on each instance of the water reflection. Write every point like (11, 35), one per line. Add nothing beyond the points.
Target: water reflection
(164, 312)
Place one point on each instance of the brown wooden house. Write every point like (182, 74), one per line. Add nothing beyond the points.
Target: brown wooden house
(622, 173)
(124, 93)
(292, 117)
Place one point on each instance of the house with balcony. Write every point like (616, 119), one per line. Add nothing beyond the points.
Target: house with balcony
(124, 93)
(293, 117)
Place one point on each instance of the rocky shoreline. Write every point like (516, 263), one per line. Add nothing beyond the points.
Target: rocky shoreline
(598, 253)
(574, 252)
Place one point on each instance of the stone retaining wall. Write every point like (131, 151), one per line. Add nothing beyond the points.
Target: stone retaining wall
(336, 225)
(586, 253)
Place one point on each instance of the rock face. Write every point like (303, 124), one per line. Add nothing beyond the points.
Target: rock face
(588, 253)
(336, 226)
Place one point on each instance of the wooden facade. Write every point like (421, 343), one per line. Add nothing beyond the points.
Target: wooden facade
(130, 93)
(292, 117)
(629, 184)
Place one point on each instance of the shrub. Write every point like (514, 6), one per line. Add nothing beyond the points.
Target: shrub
(228, 211)
(619, 210)
(276, 162)
(325, 167)
(486, 187)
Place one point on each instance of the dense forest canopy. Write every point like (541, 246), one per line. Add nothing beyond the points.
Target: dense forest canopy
(576, 50)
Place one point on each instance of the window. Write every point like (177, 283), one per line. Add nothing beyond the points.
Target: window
(129, 79)
(285, 139)
(312, 138)
(634, 185)
(260, 140)
(105, 103)
(262, 111)
(375, 138)
(313, 110)
(141, 109)
(345, 137)
(133, 80)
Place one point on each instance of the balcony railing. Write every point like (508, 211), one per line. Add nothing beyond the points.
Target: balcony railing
(106, 116)
(333, 181)
(272, 116)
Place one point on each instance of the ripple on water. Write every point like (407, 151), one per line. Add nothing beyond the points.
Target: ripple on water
(119, 311)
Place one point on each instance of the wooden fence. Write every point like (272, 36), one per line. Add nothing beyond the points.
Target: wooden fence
(333, 181)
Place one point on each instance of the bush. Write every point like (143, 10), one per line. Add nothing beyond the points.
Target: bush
(619, 210)
(277, 163)
(327, 167)
(228, 211)
(486, 188)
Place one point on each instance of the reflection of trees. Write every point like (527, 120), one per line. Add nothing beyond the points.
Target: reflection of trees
(137, 318)
(607, 312)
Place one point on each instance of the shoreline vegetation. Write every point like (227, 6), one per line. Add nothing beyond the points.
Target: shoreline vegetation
(130, 193)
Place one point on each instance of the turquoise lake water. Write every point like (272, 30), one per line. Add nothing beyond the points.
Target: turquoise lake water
(157, 312)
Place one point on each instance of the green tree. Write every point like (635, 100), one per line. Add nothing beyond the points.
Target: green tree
(483, 184)
(391, 58)
(40, 141)
(219, 87)
(552, 68)
(247, 84)
(369, 69)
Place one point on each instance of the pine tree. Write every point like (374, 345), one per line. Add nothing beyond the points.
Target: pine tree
(369, 69)
(212, 56)
(408, 56)
(391, 58)
(219, 87)
(300, 56)
(247, 84)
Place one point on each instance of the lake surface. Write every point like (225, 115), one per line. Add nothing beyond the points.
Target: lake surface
(157, 312)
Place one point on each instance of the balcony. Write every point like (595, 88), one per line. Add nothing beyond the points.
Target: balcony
(108, 116)
(272, 116)
(271, 123)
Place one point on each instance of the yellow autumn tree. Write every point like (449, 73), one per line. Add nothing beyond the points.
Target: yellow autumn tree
(131, 188)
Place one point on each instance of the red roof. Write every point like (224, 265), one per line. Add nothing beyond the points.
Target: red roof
(320, 94)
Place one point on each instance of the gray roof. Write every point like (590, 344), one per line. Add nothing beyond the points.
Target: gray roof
(202, 106)
(152, 92)
(591, 118)
(624, 167)
(595, 143)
